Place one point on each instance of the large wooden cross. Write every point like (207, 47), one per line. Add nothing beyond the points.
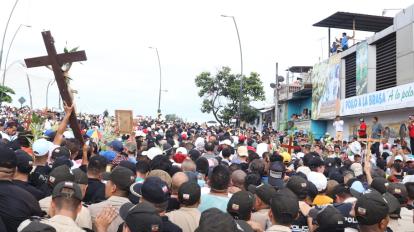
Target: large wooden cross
(56, 61)
(290, 145)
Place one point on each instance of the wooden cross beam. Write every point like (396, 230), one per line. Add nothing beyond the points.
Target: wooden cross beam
(290, 145)
(56, 61)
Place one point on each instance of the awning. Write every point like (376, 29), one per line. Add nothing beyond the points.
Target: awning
(363, 22)
(299, 69)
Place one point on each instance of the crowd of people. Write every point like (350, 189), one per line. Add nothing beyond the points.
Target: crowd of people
(176, 176)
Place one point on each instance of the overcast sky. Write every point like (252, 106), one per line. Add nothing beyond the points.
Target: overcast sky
(122, 72)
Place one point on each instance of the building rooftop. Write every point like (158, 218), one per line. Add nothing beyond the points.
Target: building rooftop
(363, 22)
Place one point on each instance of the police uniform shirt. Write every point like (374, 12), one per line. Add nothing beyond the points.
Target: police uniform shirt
(83, 219)
(59, 222)
(300, 224)
(30, 188)
(345, 209)
(95, 192)
(17, 205)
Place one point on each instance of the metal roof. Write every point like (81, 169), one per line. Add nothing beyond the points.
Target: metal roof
(299, 69)
(363, 22)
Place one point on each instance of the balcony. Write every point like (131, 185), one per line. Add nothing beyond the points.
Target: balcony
(286, 92)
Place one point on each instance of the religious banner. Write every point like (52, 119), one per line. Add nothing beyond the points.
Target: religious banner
(361, 68)
(325, 88)
(124, 121)
(388, 99)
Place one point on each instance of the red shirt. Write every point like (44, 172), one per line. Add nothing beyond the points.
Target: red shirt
(411, 130)
(362, 129)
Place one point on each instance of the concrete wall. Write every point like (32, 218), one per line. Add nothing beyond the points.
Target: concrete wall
(392, 119)
(372, 69)
(297, 106)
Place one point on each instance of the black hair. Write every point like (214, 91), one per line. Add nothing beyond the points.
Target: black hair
(66, 203)
(220, 178)
(257, 166)
(226, 152)
(209, 147)
(233, 167)
(410, 189)
(143, 167)
(252, 155)
(161, 162)
(202, 165)
(252, 179)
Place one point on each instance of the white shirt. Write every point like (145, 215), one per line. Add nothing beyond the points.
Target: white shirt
(339, 125)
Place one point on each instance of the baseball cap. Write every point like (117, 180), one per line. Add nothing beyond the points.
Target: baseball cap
(182, 150)
(286, 157)
(399, 158)
(24, 162)
(318, 179)
(60, 174)
(399, 191)
(189, 193)
(330, 219)
(122, 177)
(284, 204)
(152, 152)
(142, 217)
(264, 192)
(242, 151)
(241, 205)
(357, 169)
(315, 162)
(276, 174)
(179, 157)
(394, 207)
(155, 190)
(131, 146)
(109, 155)
(356, 188)
(80, 176)
(41, 147)
(371, 208)
(380, 184)
(116, 145)
(61, 152)
(298, 186)
(340, 189)
(67, 189)
(213, 220)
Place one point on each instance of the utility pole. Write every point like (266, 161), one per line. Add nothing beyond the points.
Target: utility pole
(276, 96)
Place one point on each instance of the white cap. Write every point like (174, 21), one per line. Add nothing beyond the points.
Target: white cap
(182, 150)
(300, 155)
(152, 152)
(68, 134)
(408, 179)
(355, 147)
(318, 179)
(399, 157)
(227, 142)
(41, 147)
(357, 169)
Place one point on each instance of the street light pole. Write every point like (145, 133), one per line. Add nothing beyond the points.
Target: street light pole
(8, 51)
(5, 31)
(276, 93)
(241, 69)
(159, 91)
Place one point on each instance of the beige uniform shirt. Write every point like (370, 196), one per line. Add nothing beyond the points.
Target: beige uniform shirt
(59, 222)
(278, 228)
(405, 223)
(113, 201)
(262, 217)
(83, 219)
(186, 218)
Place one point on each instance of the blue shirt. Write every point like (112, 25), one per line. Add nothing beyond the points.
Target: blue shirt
(212, 201)
(344, 42)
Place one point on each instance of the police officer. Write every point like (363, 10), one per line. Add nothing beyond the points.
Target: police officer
(16, 203)
(65, 206)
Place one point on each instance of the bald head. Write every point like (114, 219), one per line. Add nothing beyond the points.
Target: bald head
(237, 178)
(178, 179)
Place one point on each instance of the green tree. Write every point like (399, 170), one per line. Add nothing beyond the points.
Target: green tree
(221, 94)
(172, 118)
(5, 93)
